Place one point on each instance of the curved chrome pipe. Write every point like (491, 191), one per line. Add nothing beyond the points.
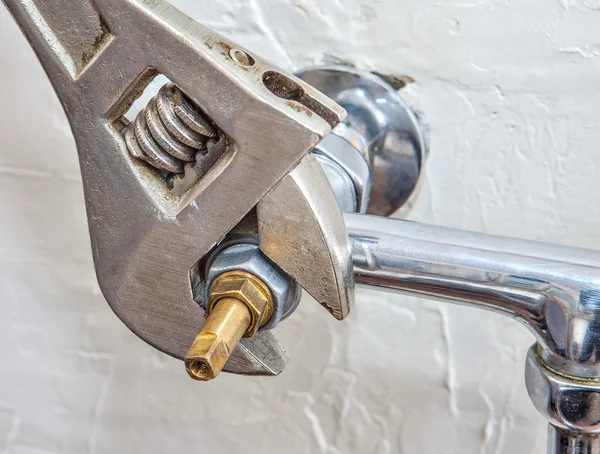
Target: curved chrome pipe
(561, 442)
(553, 290)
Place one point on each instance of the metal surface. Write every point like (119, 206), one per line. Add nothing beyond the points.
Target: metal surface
(239, 304)
(146, 240)
(301, 228)
(552, 290)
(247, 288)
(350, 161)
(223, 329)
(341, 183)
(244, 256)
(569, 403)
(381, 126)
(202, 170)
(169, 132)
(564, 442)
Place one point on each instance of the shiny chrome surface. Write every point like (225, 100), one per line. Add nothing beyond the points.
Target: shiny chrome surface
(353, 165)
(381, 126)
(341, 183)
(564, 442)
(553, 290)
(146, 240)
(569, 403)
(244, 256)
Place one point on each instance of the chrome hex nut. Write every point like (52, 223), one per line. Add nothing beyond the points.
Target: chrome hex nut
(569, 403)
(353, 163)
(246, 256)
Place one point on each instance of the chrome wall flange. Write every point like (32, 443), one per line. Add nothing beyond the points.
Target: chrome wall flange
(381, 126)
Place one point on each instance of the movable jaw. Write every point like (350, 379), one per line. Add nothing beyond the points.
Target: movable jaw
(301, 228)
(153, 213)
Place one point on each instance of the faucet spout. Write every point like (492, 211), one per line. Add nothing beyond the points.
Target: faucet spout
(553, 290)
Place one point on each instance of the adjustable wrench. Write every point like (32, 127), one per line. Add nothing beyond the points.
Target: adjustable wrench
(149, 229)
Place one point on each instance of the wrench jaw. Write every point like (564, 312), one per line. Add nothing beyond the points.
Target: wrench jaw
(301, 228)
(262, 355)
(145, 241)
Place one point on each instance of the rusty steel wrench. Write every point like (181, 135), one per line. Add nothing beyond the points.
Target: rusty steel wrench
(152, 221)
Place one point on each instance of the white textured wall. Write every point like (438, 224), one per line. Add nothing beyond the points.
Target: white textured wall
(511, 91)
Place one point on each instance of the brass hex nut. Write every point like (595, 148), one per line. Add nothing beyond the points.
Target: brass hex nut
(248, 289)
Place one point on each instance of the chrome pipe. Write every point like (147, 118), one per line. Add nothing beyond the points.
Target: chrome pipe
(562, 442)
(553, 290)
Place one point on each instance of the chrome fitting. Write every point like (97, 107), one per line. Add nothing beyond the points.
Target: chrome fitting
(381, 127)
(568, 403)
(348, 172)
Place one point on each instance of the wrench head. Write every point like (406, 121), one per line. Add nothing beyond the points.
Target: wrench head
(146, 238)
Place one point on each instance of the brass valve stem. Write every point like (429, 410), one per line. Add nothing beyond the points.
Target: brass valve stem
(224, 328)
(238, 305)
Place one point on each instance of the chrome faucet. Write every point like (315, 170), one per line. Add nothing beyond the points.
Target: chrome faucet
(553, 290)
